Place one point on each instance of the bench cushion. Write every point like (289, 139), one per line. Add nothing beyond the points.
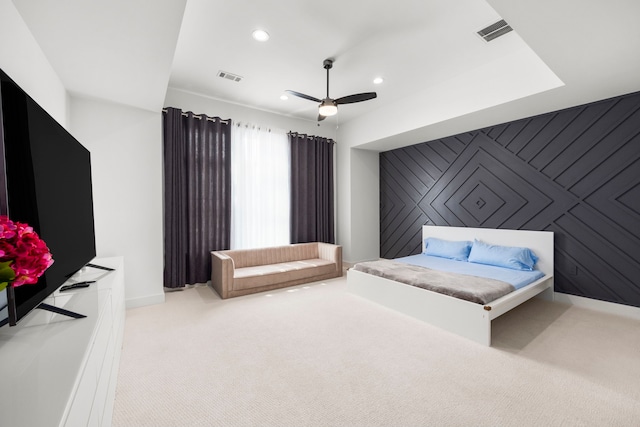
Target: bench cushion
(273, 255)
(263, 275)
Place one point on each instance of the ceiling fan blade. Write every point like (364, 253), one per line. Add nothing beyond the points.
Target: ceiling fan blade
(359, 97)
(321, 117)
(302, 95)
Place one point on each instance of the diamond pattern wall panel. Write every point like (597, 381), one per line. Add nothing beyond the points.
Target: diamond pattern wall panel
(575, 172)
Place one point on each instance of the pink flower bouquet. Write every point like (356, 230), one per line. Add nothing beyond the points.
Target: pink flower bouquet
(23, 255)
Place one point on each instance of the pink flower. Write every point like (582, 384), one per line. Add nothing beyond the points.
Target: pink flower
(28, 254)
(7, 228)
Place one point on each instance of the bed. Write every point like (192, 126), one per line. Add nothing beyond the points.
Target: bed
(465, 318)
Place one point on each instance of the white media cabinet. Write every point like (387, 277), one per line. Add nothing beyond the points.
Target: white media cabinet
(59, 371)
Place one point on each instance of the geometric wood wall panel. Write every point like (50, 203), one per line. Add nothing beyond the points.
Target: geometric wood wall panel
(575, 172)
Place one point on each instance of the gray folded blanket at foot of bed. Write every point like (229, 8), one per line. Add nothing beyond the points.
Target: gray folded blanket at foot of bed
(479, 290)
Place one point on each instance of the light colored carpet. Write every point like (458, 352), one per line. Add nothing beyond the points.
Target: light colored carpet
(314, 355)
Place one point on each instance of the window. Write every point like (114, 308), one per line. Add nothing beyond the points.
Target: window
(260, 187)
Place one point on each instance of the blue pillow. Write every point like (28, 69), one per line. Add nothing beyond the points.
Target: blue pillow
(447, 249)
(503, 256)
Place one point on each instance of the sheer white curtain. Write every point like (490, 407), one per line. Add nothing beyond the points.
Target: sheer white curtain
(260, 187)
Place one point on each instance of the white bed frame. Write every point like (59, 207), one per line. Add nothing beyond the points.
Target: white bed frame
(461, 317)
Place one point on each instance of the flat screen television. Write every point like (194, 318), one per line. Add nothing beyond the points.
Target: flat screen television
(45, 181)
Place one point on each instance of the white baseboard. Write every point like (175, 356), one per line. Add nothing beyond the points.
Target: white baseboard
(594, 304)
(146, 300)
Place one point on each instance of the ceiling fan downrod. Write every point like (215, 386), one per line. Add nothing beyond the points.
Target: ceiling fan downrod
(328, 64)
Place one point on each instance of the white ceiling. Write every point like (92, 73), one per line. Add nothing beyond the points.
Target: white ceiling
(130, 51)
(411, 45)
(117, 50)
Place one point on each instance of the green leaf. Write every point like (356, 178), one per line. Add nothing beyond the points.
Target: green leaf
(6, 274)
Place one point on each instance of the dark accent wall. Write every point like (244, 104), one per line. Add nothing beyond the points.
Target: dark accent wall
(575, 172)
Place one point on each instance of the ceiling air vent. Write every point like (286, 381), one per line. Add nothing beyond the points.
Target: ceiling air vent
(229, 76)
(494, 31)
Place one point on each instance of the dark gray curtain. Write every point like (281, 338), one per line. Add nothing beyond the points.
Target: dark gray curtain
(312, 213)
(197, 194)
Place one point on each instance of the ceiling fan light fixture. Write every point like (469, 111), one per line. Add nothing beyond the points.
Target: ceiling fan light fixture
(328, 108)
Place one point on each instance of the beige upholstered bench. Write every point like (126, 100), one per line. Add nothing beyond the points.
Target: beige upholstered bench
(246, 271)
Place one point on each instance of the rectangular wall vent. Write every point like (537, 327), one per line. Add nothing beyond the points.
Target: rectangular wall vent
(494, 31)
(229, 76)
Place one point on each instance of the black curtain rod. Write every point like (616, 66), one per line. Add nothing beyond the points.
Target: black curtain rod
(249, 125)
(201, 116)
(310, 136)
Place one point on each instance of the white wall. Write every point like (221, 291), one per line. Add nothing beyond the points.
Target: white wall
(358, 204)
(23, 60)
(125, 145)
(126, 158)
(365, 206)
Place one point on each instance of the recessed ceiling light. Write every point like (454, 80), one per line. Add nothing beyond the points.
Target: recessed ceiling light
(260, 35)
(284, 97)
(378, 80)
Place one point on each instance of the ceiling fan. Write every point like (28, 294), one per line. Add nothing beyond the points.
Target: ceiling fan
(328, 106)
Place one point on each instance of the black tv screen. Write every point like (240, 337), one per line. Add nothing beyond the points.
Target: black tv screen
(45, 181)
